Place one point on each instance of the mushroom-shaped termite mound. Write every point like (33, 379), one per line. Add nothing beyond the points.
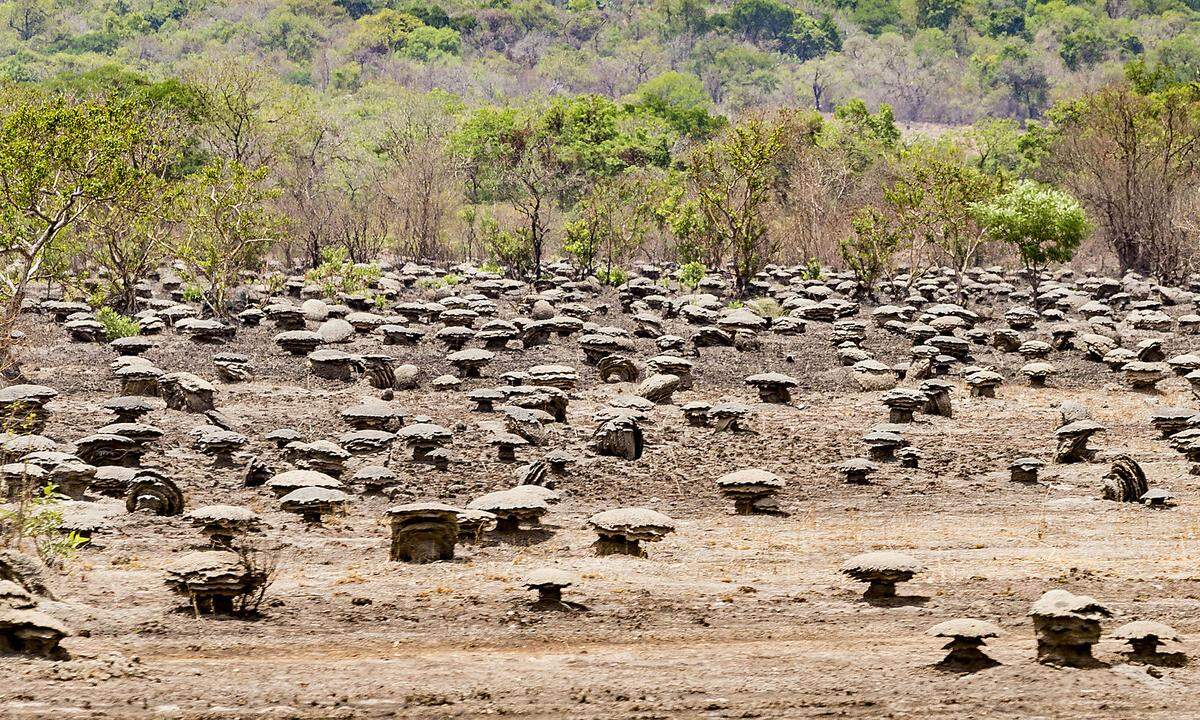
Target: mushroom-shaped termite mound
(286, 482)
(619, 436)
(1025, 470)
(549, 583)
(27, 631)
(773, 387)
(216, 582)
(882, 570)
(1125, 481)
(221, 524)
(902, 403)
(1067, 626)
(753, 491)
(857, 471)
(1073, 441)
(967, 636)
(623, 530)
(512, 508)
(313, 503)
(984, 383)
(423, 532)
(472, 524)
(1158, 498)
(152, 492)
(422, 438)
(1144, 638)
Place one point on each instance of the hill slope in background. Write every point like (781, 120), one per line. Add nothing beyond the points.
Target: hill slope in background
(939, 61)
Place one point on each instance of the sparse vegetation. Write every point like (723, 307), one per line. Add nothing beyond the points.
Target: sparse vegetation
(35, 520)
(117, 325)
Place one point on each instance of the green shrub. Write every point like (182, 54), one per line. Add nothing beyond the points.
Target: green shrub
(615, 276)
(491, 267)
(336, 274)
(690, 274)
(36, 518)
(117, 325)
(192, 294)
(812, 270)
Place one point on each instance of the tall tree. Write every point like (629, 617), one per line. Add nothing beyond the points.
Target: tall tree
(59, 160)
(226, 227)
(1129, 157)
(735, 178)
(1042, 224)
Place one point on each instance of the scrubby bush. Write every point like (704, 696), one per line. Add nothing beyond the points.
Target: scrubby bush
(117, 325)
(337, 274)
(614, 276)
(690, 274)
(36, 519)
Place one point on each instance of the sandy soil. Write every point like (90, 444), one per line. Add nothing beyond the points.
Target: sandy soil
(730, 617)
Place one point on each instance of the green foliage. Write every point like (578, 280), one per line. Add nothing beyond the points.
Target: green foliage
(431, 43)
(510, 249)
(385, 31)
(690, 274)
(876, 16)
(734, 179)
(434, 283)
(36, 518)
(228, 225)
(931, 203)
(117, 325)
(612, 276)
(812, 38)
(1084, 48)
(1042, 224)
(938, 13)
(680, 100)
(192, 294)
(868, 252)
(812, 270)
(337, 274)
(59, 158)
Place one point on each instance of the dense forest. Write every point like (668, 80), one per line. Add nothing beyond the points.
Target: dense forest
(330, 136)
(944, 61)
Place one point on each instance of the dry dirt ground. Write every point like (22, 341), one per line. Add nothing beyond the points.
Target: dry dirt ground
(730, 617)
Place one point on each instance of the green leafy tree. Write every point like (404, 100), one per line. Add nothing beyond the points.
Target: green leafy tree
(1042, 224)
(610, 224)
(812, 38)
(385, 31)
(430, 43)
(680, 99)
(60, 159)
(932, 202)
(761, 19)
(1132, 159)
(734, 180)
(876, 16)
(938, 13)
(869, 250)
(28, 18)
(226, 227)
